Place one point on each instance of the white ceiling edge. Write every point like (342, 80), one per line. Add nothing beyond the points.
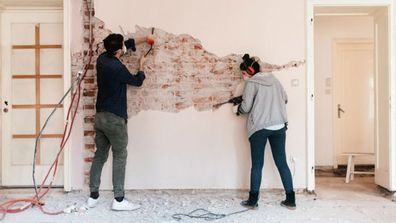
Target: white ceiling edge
(347, 10)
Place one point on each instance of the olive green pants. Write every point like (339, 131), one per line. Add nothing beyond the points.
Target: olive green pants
(111, 131)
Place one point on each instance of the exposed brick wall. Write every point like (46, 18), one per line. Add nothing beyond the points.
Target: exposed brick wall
(87, 104)
(179, 73)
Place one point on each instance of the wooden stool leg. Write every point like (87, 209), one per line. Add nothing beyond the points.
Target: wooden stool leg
(352, 168)
(348, 173)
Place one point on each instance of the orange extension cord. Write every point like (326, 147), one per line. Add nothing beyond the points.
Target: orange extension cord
(7, 207)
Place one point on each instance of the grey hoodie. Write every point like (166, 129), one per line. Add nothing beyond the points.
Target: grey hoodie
(265, 100)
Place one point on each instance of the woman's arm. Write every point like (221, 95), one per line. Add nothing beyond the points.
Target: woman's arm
(247, 98)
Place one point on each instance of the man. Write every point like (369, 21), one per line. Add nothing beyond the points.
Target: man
(111, 116)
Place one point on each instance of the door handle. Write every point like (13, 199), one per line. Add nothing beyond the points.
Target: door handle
(339, 111)
(5, 110)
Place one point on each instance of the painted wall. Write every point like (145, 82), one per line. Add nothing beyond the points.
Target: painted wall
(76, 142)
(193, 149)
(328, 28)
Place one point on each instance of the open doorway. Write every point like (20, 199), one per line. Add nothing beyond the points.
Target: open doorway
(352, 92)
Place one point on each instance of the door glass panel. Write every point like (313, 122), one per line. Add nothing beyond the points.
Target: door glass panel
(51, 61)
(22, 151)
(22, 34)
(55, 124)
(51, 90)
(23, 121)
(49, 149)
(51, 33)
(23, 91)
(23, 61)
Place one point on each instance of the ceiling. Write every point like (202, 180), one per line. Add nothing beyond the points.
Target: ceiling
(30, 3)
(347, 11)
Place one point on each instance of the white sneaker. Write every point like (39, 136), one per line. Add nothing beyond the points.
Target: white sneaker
(91, 203)
(124, 205)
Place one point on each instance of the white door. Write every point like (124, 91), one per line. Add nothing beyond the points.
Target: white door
(31, 86)
(382, 173)
(353, 103)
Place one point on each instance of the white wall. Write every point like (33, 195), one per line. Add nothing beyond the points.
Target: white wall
(77, 145)
(326, 29)
(193, 149)
(76, 26)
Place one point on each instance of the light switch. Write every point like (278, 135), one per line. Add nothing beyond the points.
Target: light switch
(295, 82)
(328, 82)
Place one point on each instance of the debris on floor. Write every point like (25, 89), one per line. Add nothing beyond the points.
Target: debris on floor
(359, 201)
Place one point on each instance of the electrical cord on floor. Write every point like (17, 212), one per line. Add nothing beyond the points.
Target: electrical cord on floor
(206, 215)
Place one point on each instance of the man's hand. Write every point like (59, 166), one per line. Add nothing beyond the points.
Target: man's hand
(150, 40)
(141, 62)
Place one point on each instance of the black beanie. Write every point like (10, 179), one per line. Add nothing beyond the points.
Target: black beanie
(113, 42)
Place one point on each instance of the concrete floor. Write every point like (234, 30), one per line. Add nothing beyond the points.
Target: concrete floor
(360, 201)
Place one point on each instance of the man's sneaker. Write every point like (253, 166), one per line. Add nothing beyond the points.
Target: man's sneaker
(124, 205)
(91, 203)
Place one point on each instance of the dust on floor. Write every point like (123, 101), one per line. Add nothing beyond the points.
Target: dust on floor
(360, 201)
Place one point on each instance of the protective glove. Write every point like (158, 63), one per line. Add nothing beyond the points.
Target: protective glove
(235, 109)
(236, 100)
(130, 44)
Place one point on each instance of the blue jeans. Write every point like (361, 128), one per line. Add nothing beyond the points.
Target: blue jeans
(277, 140)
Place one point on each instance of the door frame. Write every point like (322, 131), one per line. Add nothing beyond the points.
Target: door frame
(310, 83)
(66, 76)
(67, 79)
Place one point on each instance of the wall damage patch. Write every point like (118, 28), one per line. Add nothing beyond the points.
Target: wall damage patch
(180, 73)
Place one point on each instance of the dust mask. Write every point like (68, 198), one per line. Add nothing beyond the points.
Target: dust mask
(246, 78)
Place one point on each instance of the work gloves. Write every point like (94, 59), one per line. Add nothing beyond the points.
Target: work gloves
(235, 100)
(130, 44)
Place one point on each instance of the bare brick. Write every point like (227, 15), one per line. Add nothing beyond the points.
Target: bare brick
(90, 146)
(89, 133)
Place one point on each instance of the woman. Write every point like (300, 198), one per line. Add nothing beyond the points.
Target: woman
(264, 100)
